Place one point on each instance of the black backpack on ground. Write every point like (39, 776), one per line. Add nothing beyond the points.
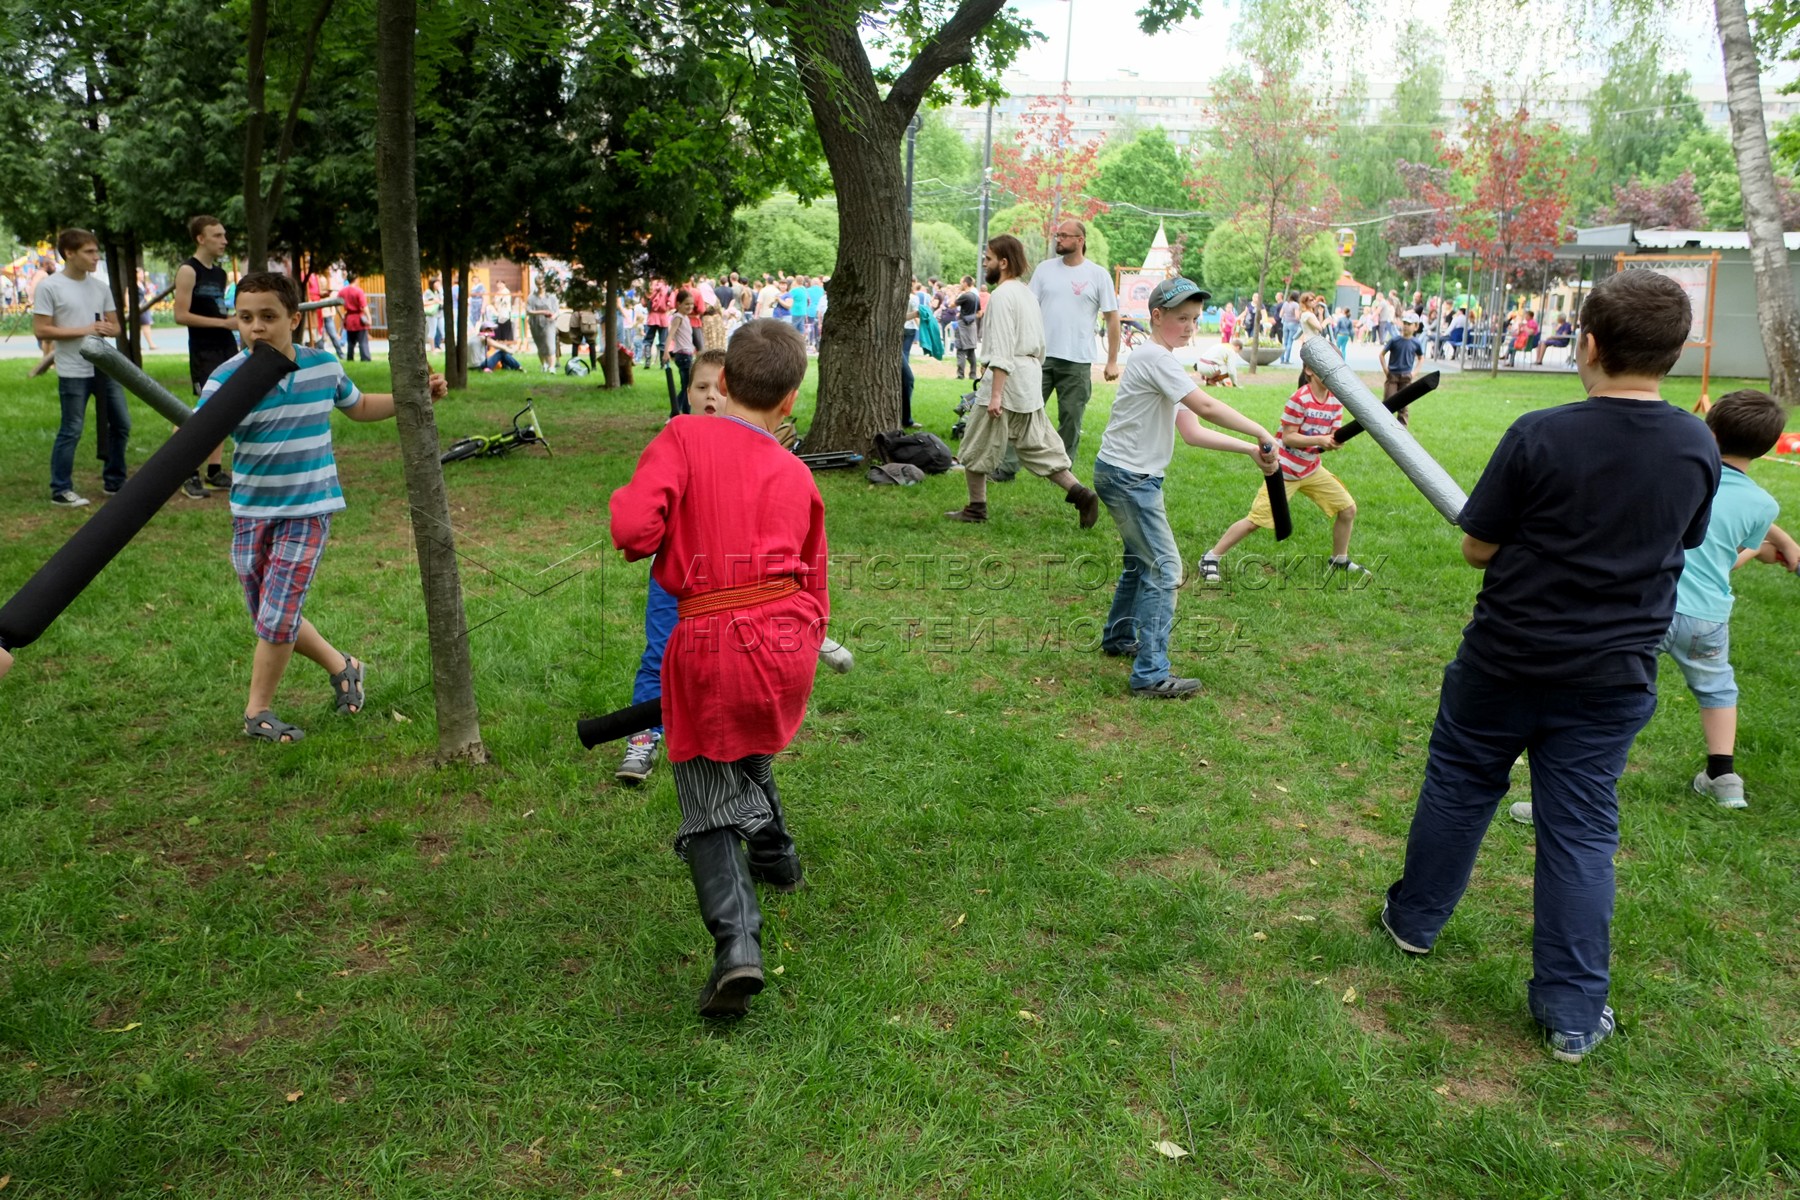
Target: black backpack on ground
(925, 451)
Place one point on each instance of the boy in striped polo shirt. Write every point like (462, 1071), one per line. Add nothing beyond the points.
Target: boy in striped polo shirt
(1309, 423)
(284, 488)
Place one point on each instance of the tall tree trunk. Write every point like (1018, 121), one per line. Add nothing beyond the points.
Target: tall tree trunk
(260, 208)
(1777, 314)
(609, 333)
(453, 685)
(456, 353)
(256, 82)
(133, 308)
(859, 348)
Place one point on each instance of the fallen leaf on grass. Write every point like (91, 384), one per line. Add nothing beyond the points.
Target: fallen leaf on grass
(960, 918)
(126, 1028)
(1169, 1149)
(4, 1180)
(1281, 789)
(401, 717)
(781, 970)
(1259, 936)
(1302, 917)
(293, 1096)
(1442, 1089)
(1313, 862)
(1025, 1014)
(1350, 995)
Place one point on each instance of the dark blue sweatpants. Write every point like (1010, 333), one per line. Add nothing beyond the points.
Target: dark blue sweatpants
(1578, 738)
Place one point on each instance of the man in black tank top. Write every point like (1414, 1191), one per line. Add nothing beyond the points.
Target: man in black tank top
(200, 284)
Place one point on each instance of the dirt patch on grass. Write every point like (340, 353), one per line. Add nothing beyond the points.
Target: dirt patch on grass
(55, 1098)
(1179, 865)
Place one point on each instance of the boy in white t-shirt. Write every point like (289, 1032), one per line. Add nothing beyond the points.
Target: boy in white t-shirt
(1156, 400)
(66, 308)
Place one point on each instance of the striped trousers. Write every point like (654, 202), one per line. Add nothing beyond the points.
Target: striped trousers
(713, 795)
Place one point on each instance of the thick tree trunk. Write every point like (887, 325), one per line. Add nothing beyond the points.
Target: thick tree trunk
(452, 678)
(609, 332)
(861, 131)
(859, 343)
(1777, 314)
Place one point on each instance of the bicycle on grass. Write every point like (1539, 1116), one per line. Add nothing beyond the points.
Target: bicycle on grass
(528, 434)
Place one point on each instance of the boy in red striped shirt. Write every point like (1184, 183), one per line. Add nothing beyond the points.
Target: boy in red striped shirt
(1309, 424)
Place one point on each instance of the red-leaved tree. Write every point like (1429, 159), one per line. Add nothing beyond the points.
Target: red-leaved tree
(1514, 177)
(1672, 205)
(1047, 167)
(1268, 166)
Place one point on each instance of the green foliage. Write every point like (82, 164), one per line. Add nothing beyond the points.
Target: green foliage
(1148, 171)
(941, 251)
(782, 235)
(1365, 157)
(1707, 153)
(1233, 257)
(947, 177)
(1030, 225)
(1636, 114)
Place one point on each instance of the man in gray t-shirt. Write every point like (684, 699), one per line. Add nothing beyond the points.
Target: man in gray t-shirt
(68, 307)
(1072, 293)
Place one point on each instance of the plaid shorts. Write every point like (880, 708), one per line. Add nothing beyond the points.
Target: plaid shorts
(275, 560)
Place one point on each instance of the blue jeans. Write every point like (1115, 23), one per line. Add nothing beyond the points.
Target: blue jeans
(354, 338)
(659, 623)
(1290, 330)
(1578, 737)
(1143, 607)
(115, 429)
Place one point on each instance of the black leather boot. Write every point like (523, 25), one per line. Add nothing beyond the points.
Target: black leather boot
(728, 906)
(774, 859)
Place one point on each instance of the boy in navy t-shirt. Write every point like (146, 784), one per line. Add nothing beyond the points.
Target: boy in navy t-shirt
(1399, 357)
(1580, 521)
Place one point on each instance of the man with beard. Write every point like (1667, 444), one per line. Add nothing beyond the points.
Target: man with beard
(1011, 413)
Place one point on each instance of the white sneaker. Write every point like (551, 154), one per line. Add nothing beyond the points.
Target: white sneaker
(1346, 565)
(1727, 789)
(1521, 812)
(68, 499)
(640, 758)
(836, 656)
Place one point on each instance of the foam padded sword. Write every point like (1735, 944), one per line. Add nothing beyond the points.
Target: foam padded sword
(1418, 466)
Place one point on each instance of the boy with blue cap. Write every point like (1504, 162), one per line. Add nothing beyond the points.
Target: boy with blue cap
(1157, 398)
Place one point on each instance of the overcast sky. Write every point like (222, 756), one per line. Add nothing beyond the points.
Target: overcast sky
(1106, 40)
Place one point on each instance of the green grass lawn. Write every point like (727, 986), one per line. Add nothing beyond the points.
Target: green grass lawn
(1046, 926)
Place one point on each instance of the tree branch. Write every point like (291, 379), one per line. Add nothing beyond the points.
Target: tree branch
(951, 46)
(285, 151)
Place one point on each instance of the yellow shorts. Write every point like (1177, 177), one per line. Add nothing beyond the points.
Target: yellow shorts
(1321, 487)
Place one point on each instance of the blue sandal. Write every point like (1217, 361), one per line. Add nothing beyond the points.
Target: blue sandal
(265, 726)
(347, 687)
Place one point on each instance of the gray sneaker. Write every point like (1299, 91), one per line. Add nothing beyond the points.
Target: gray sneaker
(68, 499)
(1172, 688)
(640, 757)
(1209, 569)
(1573, 1047)
(1727, 789)
(1521, 812)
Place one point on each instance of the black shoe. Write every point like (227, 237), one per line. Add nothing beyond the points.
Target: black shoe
(193, 489)
(774, 859)
(728, 906)
(111, 489)
(1128, 650)
(1172, 687)
(218, 479)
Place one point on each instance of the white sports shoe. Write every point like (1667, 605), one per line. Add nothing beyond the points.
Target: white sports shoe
(1727, 789)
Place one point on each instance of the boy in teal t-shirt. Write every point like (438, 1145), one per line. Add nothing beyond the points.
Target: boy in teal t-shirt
(1746, 424)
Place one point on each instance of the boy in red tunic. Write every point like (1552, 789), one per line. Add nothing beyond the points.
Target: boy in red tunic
(738, 531)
